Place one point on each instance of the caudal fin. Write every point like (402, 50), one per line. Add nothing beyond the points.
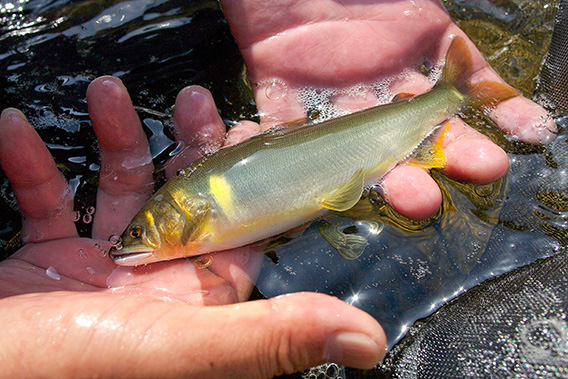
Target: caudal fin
(458, 71)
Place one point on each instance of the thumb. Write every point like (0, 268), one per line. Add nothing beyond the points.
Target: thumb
(97, 334)
(261, 339)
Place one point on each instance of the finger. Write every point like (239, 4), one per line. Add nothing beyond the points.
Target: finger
(241, 132)
(120, 335)
(411, 192)
(197, 125)
(525, 119)
(471, 156)
(277, 103)
(288, 334)
(181, 280)
(44, 198)
(125, 179)
(239, 267)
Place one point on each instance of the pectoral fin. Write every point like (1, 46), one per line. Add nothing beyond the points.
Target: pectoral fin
(349, 246)
(346, 195)
(343, 238)
(430, 154)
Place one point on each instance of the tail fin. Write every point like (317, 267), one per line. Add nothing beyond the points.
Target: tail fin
(458, 71)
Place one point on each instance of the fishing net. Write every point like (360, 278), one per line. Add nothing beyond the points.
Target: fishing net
(554, 75)
(514, 325)
(511, 326)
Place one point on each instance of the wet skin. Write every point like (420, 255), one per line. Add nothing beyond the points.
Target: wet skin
(155, 320)
(160, 319)
(339, 44)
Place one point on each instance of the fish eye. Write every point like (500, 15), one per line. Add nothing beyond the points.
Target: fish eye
(135, 231)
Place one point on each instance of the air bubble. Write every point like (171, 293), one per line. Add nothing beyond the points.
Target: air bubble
(87, 218)
(275, 90)
(39, 235)
(115, 242)
(178, 148)
(91, 210)
(76, 216)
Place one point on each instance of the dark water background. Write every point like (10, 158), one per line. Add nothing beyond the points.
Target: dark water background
(51, 50)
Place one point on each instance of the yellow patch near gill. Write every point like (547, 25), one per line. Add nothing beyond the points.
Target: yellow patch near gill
(149, 217)
(221, 191)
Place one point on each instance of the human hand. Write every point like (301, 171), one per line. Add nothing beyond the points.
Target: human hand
(289, 45)
(67, 310)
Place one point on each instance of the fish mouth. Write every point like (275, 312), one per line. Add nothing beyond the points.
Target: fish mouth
(124, 257)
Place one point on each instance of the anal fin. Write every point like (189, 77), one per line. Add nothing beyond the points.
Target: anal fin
(430, 153)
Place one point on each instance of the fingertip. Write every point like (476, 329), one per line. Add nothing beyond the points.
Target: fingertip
(13, 113)
(196, 119)
(412, 192)
(23, 155)
(330, 330)
(241, 132)
(103, 85)
(475, 159)
(113, 117)
(525, 120)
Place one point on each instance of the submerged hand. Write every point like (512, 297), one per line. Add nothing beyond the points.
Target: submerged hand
(289, 45)
(67, 310)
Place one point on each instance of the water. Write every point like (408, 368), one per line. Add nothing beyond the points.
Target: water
(51, 50)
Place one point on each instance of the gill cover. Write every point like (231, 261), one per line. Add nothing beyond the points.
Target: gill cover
(195, 212)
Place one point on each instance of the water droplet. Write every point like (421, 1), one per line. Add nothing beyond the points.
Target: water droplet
(52, 273)
(275, 90)
(179, 147)
(91, 210)
(82, 253)
(87, 218)
(39, 235)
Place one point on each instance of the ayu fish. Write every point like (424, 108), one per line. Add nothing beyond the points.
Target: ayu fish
(289, 176)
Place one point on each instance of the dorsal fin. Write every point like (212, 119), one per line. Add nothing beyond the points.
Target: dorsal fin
(402, 96)
(296, 123)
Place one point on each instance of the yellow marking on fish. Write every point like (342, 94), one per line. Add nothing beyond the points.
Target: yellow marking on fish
(222, 192)
(149, 217)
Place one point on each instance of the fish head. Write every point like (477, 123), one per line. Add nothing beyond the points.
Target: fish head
(162, 231)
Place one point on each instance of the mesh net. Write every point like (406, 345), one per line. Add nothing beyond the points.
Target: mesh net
(511, 326)
(554, 75)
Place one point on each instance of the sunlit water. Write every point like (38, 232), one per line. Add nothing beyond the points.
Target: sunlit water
(51, 50)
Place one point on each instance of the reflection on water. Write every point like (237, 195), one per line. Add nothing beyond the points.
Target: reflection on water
(51, 50)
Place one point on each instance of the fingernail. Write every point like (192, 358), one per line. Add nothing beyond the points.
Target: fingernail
(353, 349)
(13, 112)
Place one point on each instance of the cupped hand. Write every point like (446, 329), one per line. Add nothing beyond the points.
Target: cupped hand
(341, 44)
(67, 310)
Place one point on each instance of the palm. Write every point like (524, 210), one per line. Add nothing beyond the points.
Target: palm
(342, 44)
(54, 258)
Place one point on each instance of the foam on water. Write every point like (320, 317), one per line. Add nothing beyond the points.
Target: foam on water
(328, 103)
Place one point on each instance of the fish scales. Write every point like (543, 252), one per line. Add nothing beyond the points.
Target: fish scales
(288, 176)
(296, 168)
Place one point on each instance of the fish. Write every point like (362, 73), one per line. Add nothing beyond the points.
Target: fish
(293, 174)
